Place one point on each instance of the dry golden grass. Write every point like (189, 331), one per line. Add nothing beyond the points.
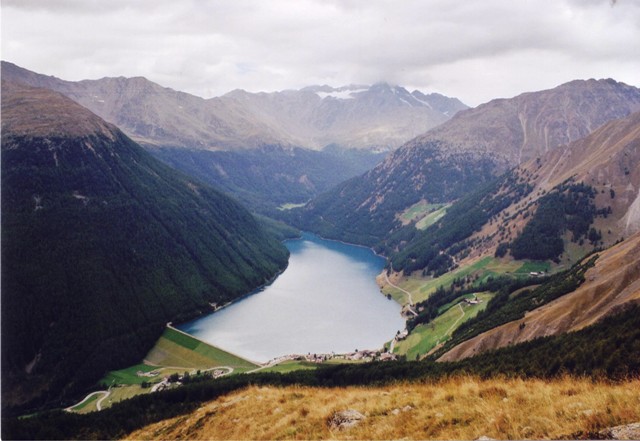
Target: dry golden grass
(458, 408)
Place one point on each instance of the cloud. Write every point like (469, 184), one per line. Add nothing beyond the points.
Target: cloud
(474, 50)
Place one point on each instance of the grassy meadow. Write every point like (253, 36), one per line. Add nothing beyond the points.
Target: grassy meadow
(178, 349)
(174, 353)
(425, 337)
(452, 408)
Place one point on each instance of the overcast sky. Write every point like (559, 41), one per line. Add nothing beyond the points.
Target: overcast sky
(475, 50)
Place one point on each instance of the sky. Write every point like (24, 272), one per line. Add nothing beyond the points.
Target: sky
(475, 50)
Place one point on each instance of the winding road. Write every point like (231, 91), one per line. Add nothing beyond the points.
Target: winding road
(105, 394)
(410, 304)
(386, 277)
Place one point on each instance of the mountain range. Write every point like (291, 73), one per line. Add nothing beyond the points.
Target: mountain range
(470, 149)
(265, 149)
(379, 117)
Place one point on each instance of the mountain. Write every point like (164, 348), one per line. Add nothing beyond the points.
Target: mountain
(560, 204)
(462, 154)
(610, 286)
(102, 245)
(155, 115)
(372, 117)
(379, 117)
(296, 143)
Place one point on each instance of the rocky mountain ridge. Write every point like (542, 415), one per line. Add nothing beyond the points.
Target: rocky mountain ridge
(379, 117)
(607, 160)
(477, 144)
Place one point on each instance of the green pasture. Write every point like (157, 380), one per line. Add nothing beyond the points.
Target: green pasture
(426, 337)
(432, 217)
(534, 266)
(87, 406)
(129, 375)
(421, 287)
(290, 366)
(177, 349)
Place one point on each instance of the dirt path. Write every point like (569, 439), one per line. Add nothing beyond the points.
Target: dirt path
(456, 322)
(386, 278)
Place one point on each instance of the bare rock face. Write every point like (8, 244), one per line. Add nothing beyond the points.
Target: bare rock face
(345, 419)
(626, 431)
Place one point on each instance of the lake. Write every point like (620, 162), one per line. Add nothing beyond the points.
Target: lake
(326, 301)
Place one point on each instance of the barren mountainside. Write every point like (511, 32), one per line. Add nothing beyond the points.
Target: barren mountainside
(529, 125)
(607, 160)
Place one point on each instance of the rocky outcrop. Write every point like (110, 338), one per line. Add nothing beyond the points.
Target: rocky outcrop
(627, 431)
(345, 419)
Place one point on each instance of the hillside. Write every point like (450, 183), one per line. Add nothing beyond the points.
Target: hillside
(610, 286)
(512, 390)
(267, 177)
(102, 245)
(456, 408)
(608, 161)
(464, 153)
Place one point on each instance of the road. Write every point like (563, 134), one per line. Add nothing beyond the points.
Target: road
(386, 277)
(100, 392)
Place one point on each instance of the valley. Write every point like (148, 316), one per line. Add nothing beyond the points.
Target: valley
(442, 271)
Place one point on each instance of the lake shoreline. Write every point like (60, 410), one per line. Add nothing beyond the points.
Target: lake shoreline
(332, 283)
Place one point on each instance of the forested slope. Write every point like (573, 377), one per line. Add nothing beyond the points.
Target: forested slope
(102, 245)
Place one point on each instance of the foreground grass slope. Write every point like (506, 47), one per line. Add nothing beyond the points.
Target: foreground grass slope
(606, 353)
(453, 408)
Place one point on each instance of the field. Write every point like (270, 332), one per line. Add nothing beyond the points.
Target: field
(425, 214)
(534, 266)
(427, 336)
(177, 349)
(129, 375)
(452, 408)
(174, 353)
(422, 287)
(89, 405)
(290, 366)
(434, 216)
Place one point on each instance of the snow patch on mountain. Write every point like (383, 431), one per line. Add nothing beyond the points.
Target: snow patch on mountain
(340, 94)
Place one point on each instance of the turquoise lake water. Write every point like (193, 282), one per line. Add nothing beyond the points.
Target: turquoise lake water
(326, 300)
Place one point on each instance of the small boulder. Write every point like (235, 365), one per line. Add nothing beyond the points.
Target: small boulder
(345, 419)
(627, 431)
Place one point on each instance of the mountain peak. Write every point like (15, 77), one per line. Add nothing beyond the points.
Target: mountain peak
(23, 114)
